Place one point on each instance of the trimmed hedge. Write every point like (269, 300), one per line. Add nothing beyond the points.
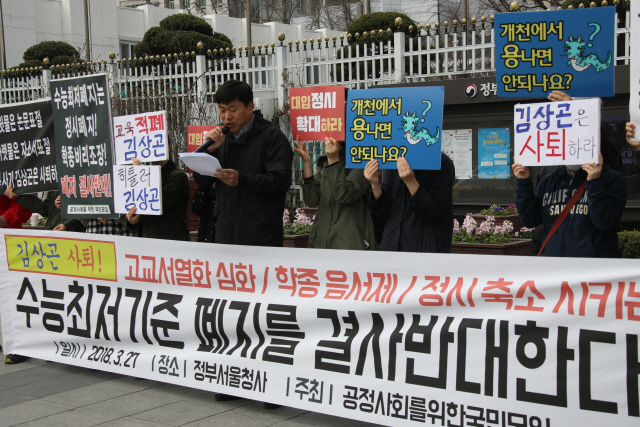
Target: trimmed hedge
(183, 22)
(180, 33)
(50, 49)
(629, 244)
(381, 21)
(57, 52)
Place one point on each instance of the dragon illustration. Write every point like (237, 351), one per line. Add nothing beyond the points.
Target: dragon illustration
(574, 49)
(411, 132)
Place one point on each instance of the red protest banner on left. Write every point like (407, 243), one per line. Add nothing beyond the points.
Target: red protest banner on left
(195, 136)
(317, 112)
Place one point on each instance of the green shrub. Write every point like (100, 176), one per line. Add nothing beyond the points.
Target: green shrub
(629, 244)
(50, 49)
(374, 22)
(381, 21)
(183, 22)
(180, 33)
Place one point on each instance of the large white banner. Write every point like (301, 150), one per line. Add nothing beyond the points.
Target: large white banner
(634, 95)
(557, 133)
(391, 338)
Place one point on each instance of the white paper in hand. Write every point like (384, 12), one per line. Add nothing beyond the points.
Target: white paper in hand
(202, 163)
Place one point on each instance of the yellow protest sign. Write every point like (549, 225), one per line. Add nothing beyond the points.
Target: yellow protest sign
(91, 259)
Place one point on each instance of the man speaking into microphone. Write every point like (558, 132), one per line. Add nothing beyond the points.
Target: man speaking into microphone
(256, 159)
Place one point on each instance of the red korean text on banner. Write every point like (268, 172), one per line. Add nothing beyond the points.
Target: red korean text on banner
(195, 136)
(317, 112)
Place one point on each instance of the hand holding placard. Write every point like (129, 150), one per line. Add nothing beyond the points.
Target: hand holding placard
(593, 169)
(631, 136)
(521, 172)
(407, 176)
(332, 149)
(371, 173)
(301, 149)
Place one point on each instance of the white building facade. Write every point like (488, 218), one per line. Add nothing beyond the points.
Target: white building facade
(117, 29)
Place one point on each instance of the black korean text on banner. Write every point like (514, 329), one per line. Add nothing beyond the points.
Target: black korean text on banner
(461, 340)
(82, 118)
(27, 147)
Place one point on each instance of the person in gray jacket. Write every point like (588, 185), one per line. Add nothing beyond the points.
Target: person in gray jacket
(342, 196)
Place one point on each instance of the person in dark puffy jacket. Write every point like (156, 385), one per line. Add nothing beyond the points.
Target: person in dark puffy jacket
(202, 205)
(414, 207)
(590, 228)
(255, 175)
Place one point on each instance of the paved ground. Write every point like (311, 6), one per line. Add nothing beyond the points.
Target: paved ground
(39, 393)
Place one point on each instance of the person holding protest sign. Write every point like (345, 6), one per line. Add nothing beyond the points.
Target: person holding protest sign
(12, 215)
(414, 207)
(342, 196)
(256, 160)
(631, 166)
(172, 224)
(587, 228)
(111, 227)
(47, 207)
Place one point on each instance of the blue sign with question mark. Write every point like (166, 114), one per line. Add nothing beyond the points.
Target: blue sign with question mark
(567, 50)
(385, 124)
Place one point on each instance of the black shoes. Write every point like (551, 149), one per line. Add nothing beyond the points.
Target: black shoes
(221, 397)
(11, 359)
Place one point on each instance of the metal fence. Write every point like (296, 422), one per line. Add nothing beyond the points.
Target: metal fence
(183, 84)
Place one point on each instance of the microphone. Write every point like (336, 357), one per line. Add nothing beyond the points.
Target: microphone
(209, 141)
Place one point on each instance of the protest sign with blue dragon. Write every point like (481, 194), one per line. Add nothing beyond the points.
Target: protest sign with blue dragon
(378, 129)
(566, 50)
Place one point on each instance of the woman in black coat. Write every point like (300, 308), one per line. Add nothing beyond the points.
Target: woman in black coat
(202, 204)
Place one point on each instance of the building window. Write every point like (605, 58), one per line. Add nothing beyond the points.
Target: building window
(203, 3)
(300, 5)
(187, 3)
(172, 5)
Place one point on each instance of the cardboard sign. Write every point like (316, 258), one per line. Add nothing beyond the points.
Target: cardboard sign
(27, 147)
(567, 50)
(317, 112)
(385, 124)
(139, 186)
(141, 136)
(557, 133)
(82, 121)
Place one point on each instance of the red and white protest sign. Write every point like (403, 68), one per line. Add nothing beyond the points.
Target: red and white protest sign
(557, 133)
(141, 136)
(195, 136)
(317, 112)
